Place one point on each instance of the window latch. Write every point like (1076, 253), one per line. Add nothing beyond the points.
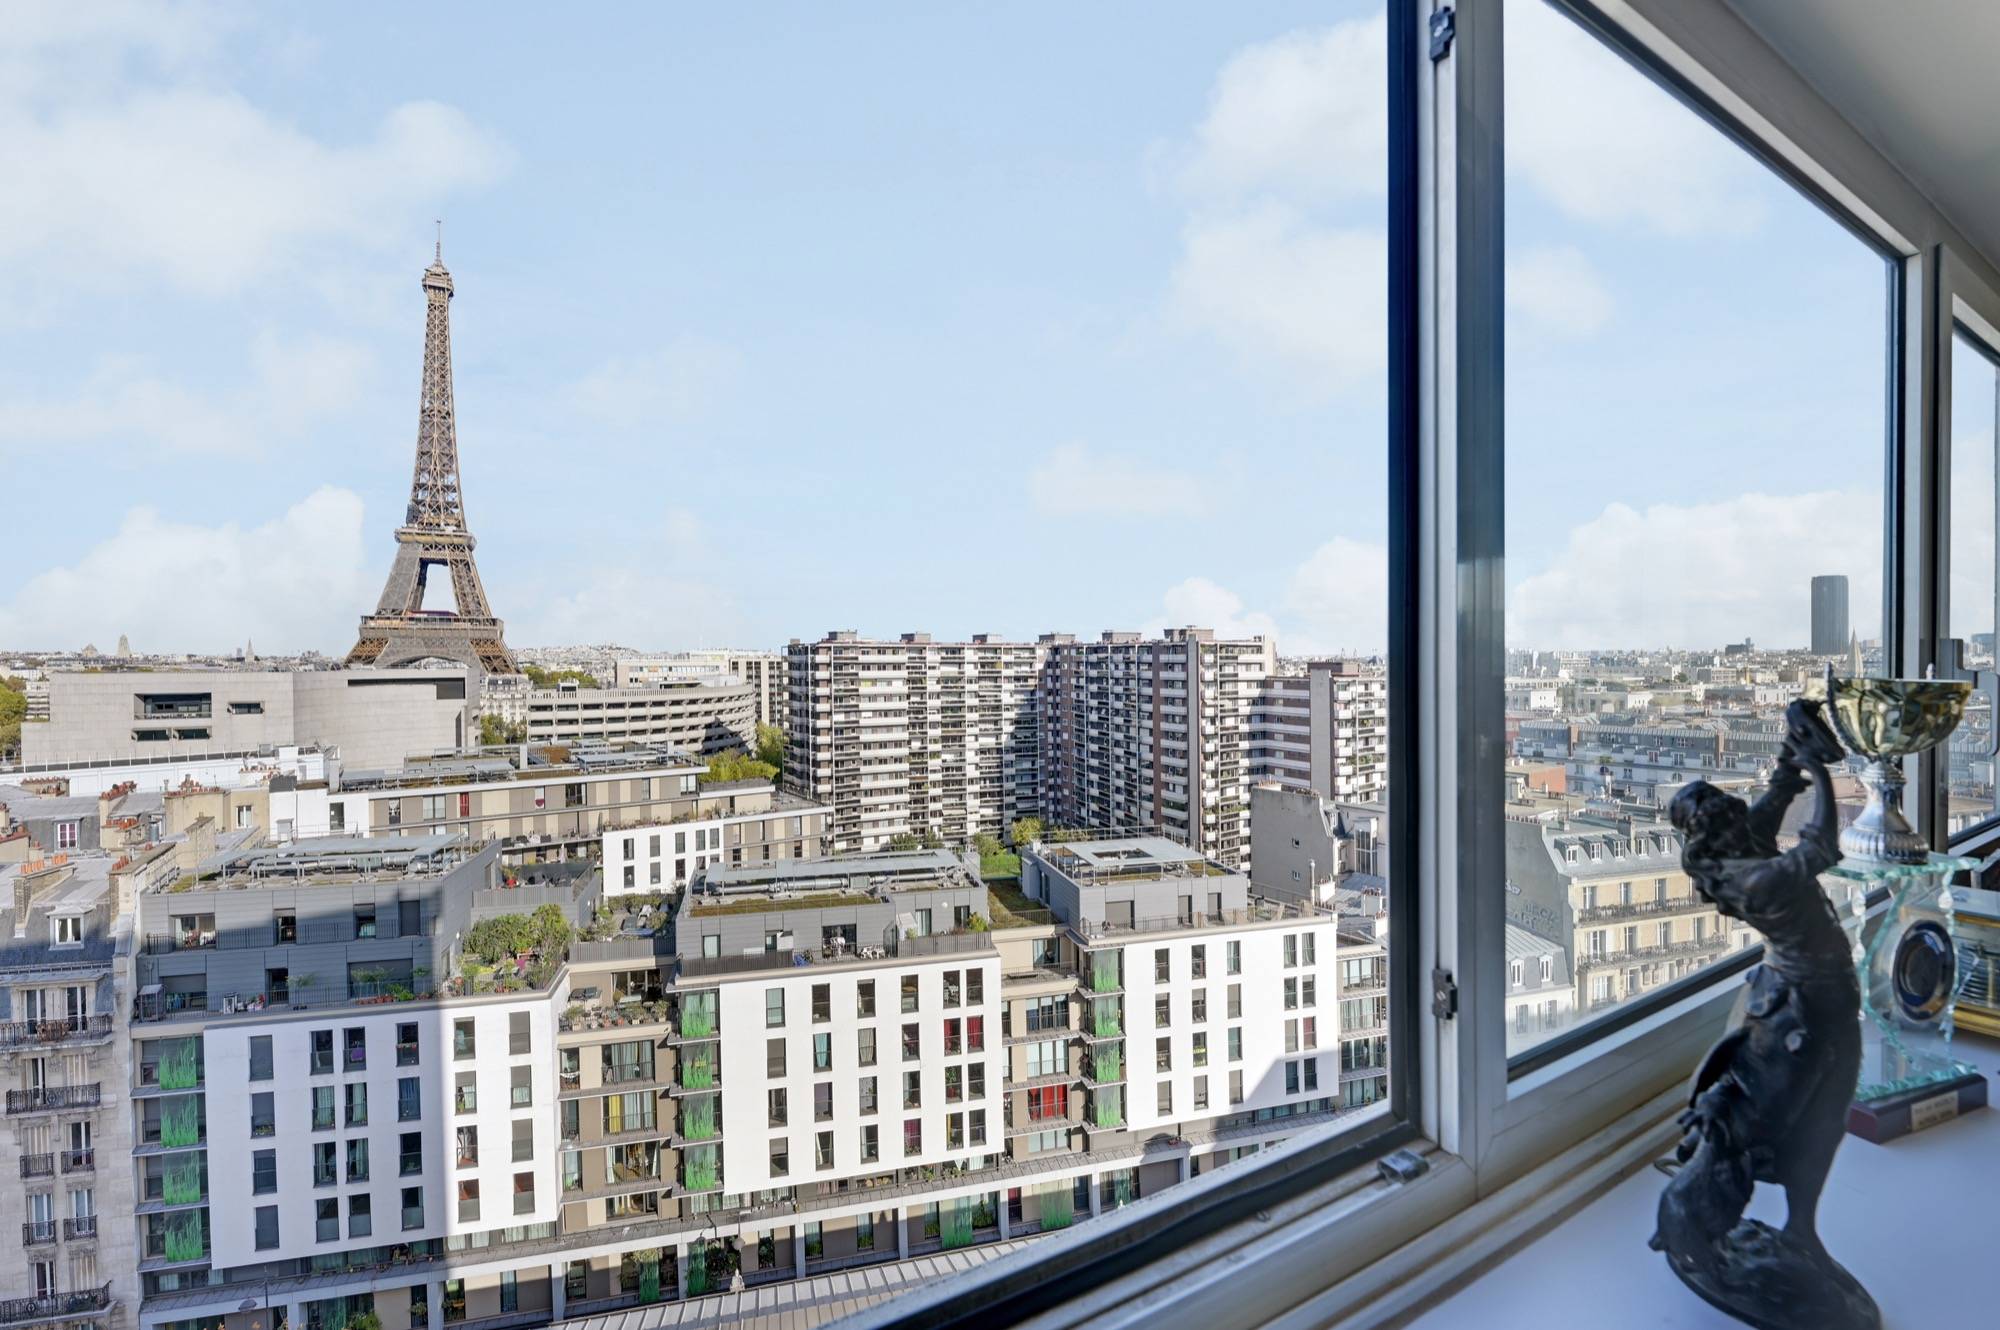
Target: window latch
(1444, 995)
(1444, 26)
(1402, 1166)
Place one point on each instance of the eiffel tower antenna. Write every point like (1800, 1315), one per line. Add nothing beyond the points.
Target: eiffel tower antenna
(434, 533)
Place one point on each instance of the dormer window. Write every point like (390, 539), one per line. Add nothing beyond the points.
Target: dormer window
(67, 930)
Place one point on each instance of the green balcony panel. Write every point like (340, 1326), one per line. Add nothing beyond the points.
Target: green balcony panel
(179, 1065)
(180, 1121)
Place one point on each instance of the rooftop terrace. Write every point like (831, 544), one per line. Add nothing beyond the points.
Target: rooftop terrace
(1126, 859)
(525, 762)
(327, 861)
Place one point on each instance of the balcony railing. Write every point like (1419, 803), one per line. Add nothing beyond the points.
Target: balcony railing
(37, 1232)
(55, 1306)
(84, 1227)
(1709, 945)
(79, 1161)
(38, 1166)
(27, 1034)
(1591, 914)
(54, 1098)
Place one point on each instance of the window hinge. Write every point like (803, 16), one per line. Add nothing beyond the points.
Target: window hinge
(1444, 26)
(1444, 995)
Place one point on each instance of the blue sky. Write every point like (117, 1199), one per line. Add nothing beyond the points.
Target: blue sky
(887, 318)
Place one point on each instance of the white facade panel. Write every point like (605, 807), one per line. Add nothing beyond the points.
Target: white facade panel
(232, 1148)
(747, 1132)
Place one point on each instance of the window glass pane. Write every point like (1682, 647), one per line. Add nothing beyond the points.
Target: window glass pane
(1695, 425)
(1975, 399)
(1071, 323)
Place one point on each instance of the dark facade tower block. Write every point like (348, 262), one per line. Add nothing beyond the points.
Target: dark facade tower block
(434, 534)
(1829, 615)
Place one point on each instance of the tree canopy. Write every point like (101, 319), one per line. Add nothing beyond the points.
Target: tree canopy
(1025, 831)
(771, 747)
(545, 931)
(13, 706)
(737, 765)
(493, 730)
(542, 678)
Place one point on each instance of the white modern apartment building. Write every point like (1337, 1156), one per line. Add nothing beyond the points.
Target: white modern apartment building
(323, 1087)
(731, 824)
(334, 1111)
(763, 671)
(1325, 729)
(557, 794)
(843, 1072)
(934, 740)
(1153, 732)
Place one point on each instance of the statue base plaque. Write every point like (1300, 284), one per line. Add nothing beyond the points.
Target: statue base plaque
(1884, 1119)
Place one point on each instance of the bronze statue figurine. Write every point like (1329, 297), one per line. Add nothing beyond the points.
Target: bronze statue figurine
(1769, 1103)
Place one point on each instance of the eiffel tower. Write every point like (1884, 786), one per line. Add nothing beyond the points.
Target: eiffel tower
(401, 630)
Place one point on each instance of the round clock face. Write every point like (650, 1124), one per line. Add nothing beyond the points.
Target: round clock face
(1925, 971)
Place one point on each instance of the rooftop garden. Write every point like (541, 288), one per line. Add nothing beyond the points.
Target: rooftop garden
(1013, 908)
(511, 952)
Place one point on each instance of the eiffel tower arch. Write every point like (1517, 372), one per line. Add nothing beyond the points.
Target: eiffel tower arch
(434, 533)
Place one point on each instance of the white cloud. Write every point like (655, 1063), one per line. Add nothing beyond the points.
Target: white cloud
(1556, 289)
(294, 583)
(1338, 600)
(1700, 575)
(1294, 126)
(678, 381)
(667, 590)
(128, 160)
(1303, 301)
(1304, 115)
(127, 404)
(1605, 144)
(1200, 603)
(1073, 481)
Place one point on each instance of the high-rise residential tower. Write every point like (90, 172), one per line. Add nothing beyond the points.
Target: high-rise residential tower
(936, 740)
(1153, 733)
(1324, 729)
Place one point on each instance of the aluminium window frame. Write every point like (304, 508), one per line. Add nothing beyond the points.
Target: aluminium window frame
(1962, 302)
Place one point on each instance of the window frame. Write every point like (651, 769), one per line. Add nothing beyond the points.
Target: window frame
(1963, 302)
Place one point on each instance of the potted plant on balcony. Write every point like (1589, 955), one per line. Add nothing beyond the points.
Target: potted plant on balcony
(298, 984)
